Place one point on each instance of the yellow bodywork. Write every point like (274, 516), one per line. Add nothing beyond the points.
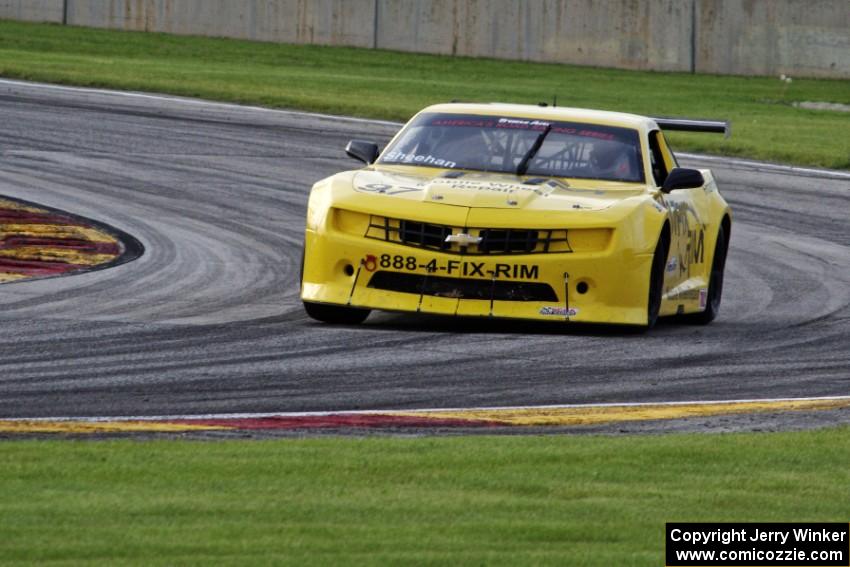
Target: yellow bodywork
(603, 236)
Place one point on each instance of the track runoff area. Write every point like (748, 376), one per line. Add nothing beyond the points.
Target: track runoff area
(39, 243)
(483, 419)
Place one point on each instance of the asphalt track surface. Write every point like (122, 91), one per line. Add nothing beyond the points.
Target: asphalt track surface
(208, 320)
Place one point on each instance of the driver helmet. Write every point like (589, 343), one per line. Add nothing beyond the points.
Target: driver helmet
(606, 156)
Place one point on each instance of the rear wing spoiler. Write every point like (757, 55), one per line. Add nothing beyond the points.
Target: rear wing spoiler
(686, 125)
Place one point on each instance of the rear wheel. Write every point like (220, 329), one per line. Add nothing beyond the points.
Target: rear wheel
(656, 280)
(715, 284)
(337, 314)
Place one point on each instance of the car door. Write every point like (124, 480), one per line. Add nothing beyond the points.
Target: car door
(685, 273)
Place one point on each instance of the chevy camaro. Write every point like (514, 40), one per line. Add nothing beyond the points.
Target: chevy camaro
(517, 211)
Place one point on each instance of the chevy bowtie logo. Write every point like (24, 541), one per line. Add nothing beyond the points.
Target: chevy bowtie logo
(463, 239)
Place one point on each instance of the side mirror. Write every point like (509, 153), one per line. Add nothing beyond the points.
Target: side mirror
(367, 152)
(682, 178)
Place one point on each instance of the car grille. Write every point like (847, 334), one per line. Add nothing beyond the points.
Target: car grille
(509, 241)
(493, 240)
(461, 288)
(422, 234)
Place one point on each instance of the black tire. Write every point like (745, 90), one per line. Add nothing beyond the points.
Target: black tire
(715, 284)
(336, 314)
(301, 272)
(656, 281)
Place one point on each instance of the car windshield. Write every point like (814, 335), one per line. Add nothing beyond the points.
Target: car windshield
(500, 143)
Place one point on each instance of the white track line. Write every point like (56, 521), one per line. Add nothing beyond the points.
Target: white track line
(193, 101)
(230, 106)
(767, 166)
(417, 411)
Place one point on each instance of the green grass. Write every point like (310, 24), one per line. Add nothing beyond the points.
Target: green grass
(392, 85)
(553, 500)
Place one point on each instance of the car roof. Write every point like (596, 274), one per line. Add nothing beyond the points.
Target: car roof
(559, 113)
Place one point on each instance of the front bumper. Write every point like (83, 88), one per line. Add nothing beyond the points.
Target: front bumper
(606, 286)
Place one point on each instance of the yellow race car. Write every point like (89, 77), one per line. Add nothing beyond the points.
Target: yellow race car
(517, 211)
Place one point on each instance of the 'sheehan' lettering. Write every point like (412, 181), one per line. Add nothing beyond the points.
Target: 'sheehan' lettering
(401, 157)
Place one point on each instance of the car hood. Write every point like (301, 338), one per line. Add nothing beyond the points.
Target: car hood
(492, 190)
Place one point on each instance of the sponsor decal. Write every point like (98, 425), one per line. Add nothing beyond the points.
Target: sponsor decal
(697, 246)
(672, 264)
(469, 185)
(470, 182)
(370, 262)
(463, 122)
(559, 311)
(466, 268)
(518, 123)
(703, 298)
(689, 236)
(493, 186)
(385, 189)
(537, 125)
(689, 294)
(521, 124)
(473, 184)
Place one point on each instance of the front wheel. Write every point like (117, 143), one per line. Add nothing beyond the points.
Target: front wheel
(336, 314)
(656, 281)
